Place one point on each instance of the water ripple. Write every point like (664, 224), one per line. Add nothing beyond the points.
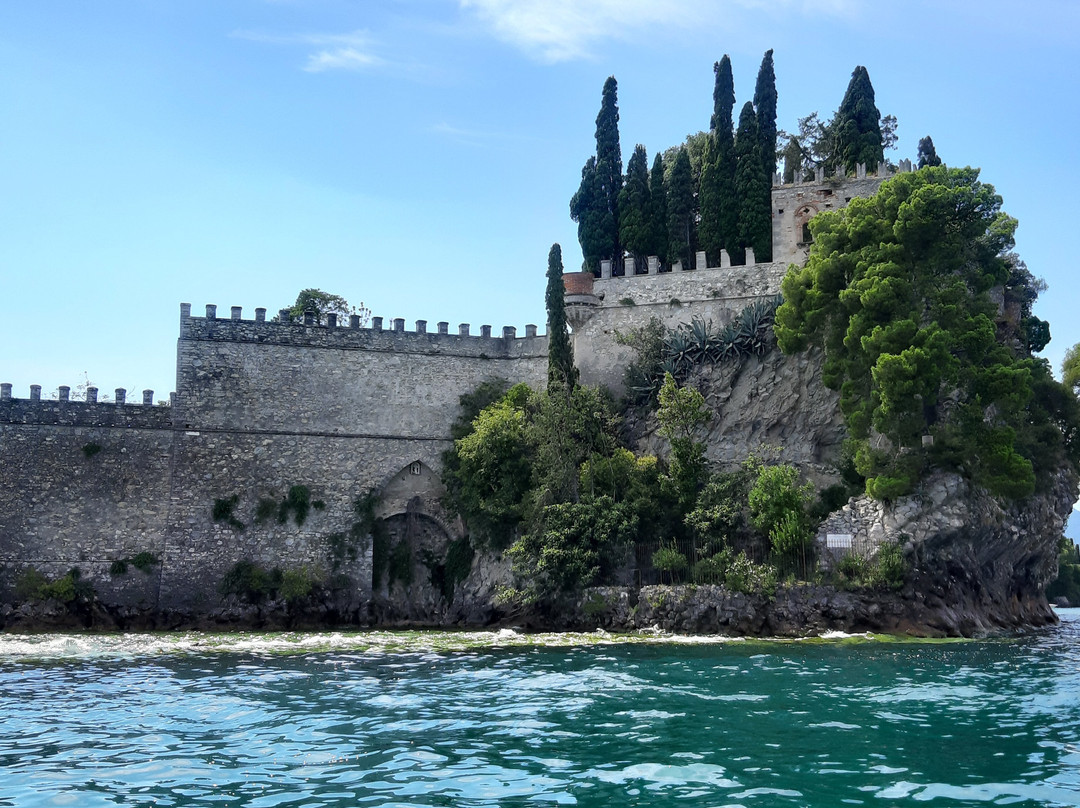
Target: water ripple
(381, 719)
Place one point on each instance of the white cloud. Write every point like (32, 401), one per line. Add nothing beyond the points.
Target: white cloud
(352, 51)
(563, 30)
(346, 58)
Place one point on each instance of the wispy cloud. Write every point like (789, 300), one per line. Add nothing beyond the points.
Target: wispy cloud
(564, 30)
(476, 137)
(352, 51)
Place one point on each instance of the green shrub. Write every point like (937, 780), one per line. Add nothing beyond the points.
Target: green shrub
(118, 567)
(718, 518)
(789, 538)
(831, 498)
(265, 509)
(144, 561)
(298, 503)
(775, 494)
(575, 545)
(712, 569)
(852, 566)
(890, 569)
(90, 449)
(296, 585)
(596, 604)
(670, 560)
(223, 511)
(743, 575)
(30, 585)
(250, 582)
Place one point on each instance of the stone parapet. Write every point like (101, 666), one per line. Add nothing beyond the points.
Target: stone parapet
(376, 338)
(81, 413)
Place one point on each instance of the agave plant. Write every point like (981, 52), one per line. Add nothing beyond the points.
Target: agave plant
(750, 332)
(679, 348)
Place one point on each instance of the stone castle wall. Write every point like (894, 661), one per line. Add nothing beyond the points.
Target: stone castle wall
(262, 406)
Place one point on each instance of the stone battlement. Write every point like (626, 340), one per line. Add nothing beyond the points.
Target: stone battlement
(883, 173)
(63, 396)
(336, 334)
(64, 412)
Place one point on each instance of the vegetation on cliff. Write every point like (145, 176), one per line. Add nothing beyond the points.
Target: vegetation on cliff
(924, 317)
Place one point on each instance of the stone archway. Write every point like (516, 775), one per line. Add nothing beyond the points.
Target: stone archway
(411, 546)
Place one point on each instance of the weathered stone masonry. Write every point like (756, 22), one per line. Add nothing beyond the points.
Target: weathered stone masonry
(260, 406)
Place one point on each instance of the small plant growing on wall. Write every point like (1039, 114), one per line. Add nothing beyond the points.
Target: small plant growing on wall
(144, 562)
(90, 449)
(71, 589)
(298, 503)
(224, 511)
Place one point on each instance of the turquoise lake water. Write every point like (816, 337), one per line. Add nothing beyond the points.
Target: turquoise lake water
(386, 719)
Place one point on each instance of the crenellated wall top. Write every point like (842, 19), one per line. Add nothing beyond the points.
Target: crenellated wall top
(335, 332)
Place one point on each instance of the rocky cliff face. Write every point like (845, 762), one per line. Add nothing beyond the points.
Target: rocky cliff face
(766, 401)
(978, 564)
(772, 400)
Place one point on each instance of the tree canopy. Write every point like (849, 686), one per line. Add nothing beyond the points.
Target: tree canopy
(897, 292)
(324, 303)
(594, 220)
(858, 125)
(927, 155)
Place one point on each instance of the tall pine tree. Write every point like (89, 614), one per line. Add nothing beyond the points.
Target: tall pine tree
(755, 224)
(562, 375)
(718, 201)
(589, 209)
(680, 204)
(857, 126)
(609, 160)
(635, 207)
(658, 214)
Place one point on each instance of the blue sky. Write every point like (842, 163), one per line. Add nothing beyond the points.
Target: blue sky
(419, 155)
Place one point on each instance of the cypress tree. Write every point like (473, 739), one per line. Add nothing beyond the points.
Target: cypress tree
(793, 161)
(755, 225)
(635, 206)
(718, 201)
(589, 210)
(680, 205)
(658, 215)
(561, 371)
(857, 126)
(765, 105)
(927, 153)
(609, 161)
